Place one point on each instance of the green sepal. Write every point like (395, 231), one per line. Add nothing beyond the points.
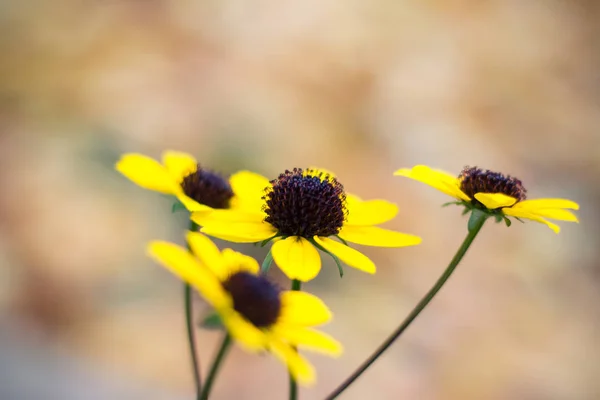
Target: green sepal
(266, 265)
(342, 240)
(335, 258)
(450, 203)
(177, 206)
(519, 219)
(266, 241)
(507, 221)
(213, 322)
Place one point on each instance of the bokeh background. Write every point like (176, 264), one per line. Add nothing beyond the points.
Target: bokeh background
(360, 88)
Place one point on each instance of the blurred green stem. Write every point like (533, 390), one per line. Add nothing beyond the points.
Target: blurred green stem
(296, 285)
(189, 320)
(214, 369)
(475, 224)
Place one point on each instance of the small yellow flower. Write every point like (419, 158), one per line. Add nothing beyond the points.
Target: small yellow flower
(303, 209)
(255, 312)
(180, 175)
(494, 193)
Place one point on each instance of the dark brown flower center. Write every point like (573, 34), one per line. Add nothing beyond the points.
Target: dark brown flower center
(474, 180)
(254, 297)
(208, 188)
(305, 203)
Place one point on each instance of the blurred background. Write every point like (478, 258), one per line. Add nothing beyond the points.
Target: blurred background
(360, 88)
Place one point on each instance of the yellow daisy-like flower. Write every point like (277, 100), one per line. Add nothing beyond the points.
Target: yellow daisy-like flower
(255, 312)
(303, 210)
(494, 193)
(180, 175)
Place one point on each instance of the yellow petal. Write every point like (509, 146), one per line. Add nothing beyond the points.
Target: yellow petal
(244, 332)
(375, 236)
(147, 173)
(238, 262)
(348, 255)
(309, 339)
(515, 212)
(370, 212)
(297, 258)
(302, 309)
(249, 188)
(190, 204)
(179, 164)
(495, 200)
(302, 371)
(181, 263)
(244, 232)
(217, 216)
(440, 180)
(208, 253)
(536, 204)
(556, 213)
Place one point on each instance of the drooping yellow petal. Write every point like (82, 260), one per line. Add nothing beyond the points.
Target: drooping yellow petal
(297, 258)
(515, 212)
(536, 204)
(309, 339)
(179, 164)
(238, 262)
(495, 200)
(302, 371)
(440, 180)
(244, 232)
(249, 188)
(556, 213)
(348, 255)
(370, 212)
(218, 216)
(147, 173)
(190, 204)
(208, 253)
(375, 236)
(302, 309)
(244, 332)
(181, 263)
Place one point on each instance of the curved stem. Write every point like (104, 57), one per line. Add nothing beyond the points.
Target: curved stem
(189, 321)
(215, 367)
(475, 224)
(296, 285)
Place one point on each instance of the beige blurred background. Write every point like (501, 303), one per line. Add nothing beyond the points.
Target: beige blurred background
(361, 88)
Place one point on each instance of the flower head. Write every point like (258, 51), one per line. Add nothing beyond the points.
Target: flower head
(303, 210)
(180, 175)
(256, 313)
(497, 194)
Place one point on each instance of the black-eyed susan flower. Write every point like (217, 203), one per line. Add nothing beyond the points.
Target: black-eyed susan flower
(255, 312)
(180, 175)
(304, 210)
(494, 193)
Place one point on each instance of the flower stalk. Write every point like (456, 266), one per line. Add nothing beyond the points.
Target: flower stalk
(296, 285)
(475, 224)
(214, 369)
(189, 321)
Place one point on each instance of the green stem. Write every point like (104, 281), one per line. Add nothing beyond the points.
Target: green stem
(475, 224)
(190, 327)
(296, 285)
(214, 369)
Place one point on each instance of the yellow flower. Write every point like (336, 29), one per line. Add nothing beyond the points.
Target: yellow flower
(494, 193)
(180, 175)
(302, 210)
(255, 312)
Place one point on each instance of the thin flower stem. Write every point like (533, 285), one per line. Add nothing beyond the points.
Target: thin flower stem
(190, 327)
(296, 285)
(215, 366)
(475, 224)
